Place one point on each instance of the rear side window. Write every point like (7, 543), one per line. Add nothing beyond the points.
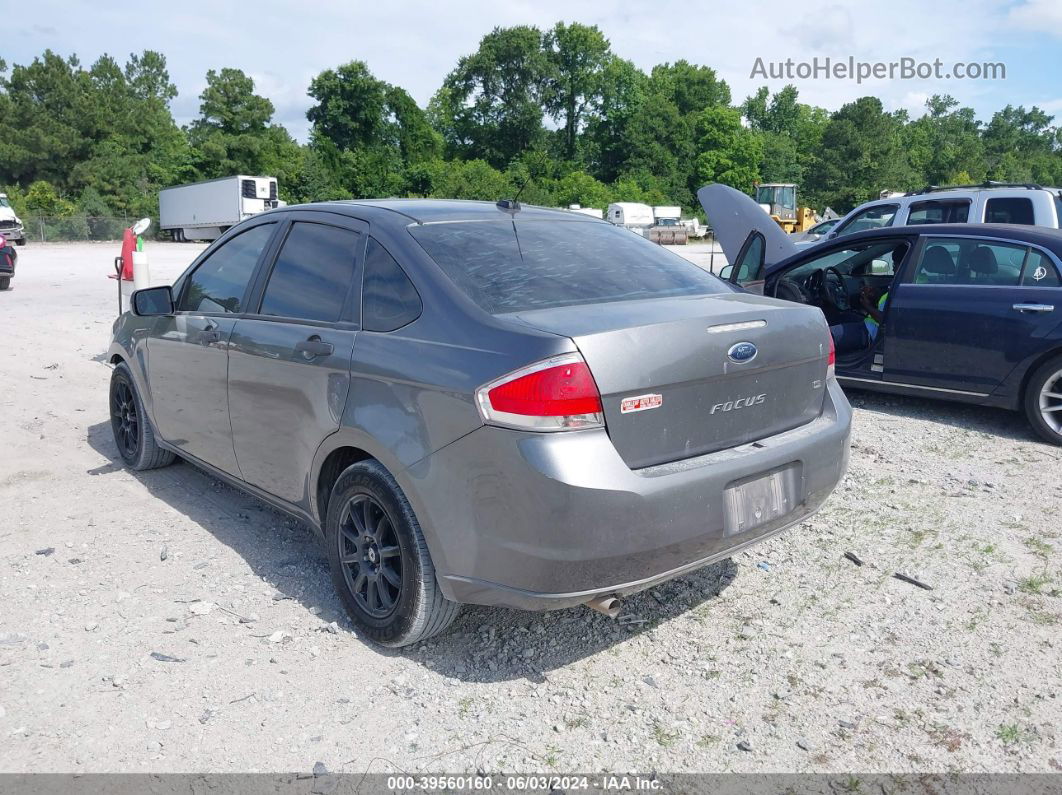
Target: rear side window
(939, 212)
(1009, 210)
(510, 266)
(969, 261)
(218, 284)
(312, 274)
(1040, 271)
(389, 299)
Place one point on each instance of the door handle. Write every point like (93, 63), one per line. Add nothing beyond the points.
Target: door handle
(1034, 307)
(313, 347)
(209, 333)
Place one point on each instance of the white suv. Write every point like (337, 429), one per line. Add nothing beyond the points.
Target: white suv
(990, 203)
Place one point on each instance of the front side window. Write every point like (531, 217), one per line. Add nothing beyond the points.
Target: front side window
(218, 284)
(312, 274)
(511, 266)
(877, 258)
(955, 211)
(1040, 271)
(970, 262)
(876, 217)
(1009, 210)
(388, 298)
(4, 202)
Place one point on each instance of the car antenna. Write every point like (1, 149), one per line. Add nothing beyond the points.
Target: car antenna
(513, 205)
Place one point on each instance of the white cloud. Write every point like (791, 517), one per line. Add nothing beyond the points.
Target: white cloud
(1042, 16)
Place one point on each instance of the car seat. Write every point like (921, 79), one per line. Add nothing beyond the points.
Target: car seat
(937, 266)
(981, 266)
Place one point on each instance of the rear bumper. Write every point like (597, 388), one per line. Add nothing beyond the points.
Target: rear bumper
(541, 521)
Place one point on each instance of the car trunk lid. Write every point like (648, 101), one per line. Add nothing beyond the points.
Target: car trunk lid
(681, 377)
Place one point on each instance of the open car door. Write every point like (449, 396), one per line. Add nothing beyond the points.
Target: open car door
(750, 239)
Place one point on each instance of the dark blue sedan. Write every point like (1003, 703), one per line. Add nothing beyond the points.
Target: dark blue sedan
(962, 312)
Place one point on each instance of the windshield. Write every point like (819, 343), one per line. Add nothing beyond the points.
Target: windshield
(510, 266)
(4, 202)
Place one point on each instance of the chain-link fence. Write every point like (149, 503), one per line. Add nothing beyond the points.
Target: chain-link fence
(50, 229)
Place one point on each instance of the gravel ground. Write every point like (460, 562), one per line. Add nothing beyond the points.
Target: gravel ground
(166, 622)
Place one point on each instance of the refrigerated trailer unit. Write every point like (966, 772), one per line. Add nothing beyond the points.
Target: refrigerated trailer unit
(205, 210)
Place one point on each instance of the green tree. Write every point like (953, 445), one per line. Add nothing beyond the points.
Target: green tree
(727, 152)
(945, 144)
(1023, 146)
(690, 87)
(577, 55)
(623, 90)
(490, 106)
(861, 154)
(234, 133)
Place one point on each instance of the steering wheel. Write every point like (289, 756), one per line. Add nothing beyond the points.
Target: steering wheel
(833, 290)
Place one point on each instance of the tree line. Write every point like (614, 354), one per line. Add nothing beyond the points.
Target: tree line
(555, 113)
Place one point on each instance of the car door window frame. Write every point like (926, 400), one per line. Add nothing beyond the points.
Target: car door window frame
(925, 241)
(735, 274)
(181, 285)
(350, 317)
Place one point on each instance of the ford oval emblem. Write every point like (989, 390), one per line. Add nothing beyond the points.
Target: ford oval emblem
(742, 352)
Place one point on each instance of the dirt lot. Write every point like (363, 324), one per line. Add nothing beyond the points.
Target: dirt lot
(165, 622)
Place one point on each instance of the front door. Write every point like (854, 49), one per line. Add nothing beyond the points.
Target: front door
(289, 362)
(969, 313)
(188, 351)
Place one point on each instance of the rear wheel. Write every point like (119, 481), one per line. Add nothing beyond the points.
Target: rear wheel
(5, 282)
(1043, 400)
(380, 562)
(132, 431)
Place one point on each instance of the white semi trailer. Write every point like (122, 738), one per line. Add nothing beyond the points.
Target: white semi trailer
(206, 210)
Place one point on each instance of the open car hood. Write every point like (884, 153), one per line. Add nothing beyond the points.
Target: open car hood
(734, 215)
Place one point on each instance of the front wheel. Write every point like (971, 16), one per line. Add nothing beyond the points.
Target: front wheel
(20, 242)
(5, 282)
(1043, 400)
(129, 423)
(380, 563)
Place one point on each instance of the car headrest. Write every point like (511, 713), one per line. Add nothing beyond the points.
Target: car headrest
(983, 261)
(938, 260)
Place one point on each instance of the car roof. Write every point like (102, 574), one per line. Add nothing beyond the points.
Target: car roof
(1044, 236)
(428, 211)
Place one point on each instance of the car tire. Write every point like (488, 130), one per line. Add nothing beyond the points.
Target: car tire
(1043, 400)
(133, 435)
(5, 282)
(380, 563)
(20, 242)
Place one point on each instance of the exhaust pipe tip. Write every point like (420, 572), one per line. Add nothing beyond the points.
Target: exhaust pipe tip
(606, 605)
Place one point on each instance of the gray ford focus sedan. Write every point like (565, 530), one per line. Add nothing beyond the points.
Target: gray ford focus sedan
(482, 403)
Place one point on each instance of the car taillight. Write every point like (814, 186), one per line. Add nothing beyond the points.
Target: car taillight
(557, 394)
(831, 361)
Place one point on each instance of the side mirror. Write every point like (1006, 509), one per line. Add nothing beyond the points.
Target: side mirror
(153, 301)
(726, 272)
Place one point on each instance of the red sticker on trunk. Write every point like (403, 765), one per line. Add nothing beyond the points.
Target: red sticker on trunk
(640, 403)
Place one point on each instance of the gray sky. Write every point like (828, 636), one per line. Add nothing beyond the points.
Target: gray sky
(283, 45)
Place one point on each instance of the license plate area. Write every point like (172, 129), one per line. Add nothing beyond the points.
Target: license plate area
(759, 500)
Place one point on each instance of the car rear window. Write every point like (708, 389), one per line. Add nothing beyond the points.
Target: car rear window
(510, 266)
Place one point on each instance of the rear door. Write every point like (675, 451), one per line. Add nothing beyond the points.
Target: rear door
(750, 238)
(188, 351)
(289, 361)
(972, 310)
